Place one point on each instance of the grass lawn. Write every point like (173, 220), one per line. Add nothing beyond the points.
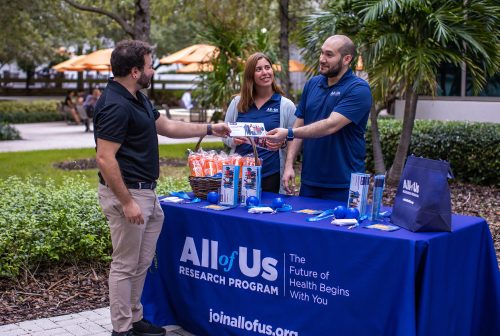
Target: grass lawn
(41, 163)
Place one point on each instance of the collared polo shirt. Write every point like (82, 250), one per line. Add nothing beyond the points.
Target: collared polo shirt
(269, 114)
(329, 161)
(120, 117)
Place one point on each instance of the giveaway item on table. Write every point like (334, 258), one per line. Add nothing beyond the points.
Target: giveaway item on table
(229, 185)
(244, 129)
(383, 227)
(171, 199)
(352, 213)
(339, 211)
(344, 221)
(358, 192)
(213, 197)
(422, 201)
(252, 201)
(217, 207)
(309, 211)
(261, 209)
(378, 191)
(277, 202)
(325, 214)
(251, 182)
(205, 170)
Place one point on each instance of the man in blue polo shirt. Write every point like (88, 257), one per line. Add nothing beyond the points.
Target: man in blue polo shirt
(332, 117)
(125, 130)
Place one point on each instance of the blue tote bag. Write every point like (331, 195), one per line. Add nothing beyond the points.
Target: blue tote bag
(423, 200)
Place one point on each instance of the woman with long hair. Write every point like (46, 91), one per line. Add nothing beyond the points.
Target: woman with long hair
(262, 100)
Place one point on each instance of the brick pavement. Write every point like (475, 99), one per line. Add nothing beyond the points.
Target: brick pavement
(88, 323)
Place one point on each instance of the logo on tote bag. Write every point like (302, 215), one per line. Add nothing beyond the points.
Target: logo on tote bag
(411, 188)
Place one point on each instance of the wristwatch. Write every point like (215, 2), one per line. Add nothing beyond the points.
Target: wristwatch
(290, 136)
(209, 129)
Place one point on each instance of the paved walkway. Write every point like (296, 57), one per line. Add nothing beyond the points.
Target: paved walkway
(88, 323)
(58, 135)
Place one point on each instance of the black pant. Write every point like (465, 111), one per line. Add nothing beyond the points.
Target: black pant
(271, 183)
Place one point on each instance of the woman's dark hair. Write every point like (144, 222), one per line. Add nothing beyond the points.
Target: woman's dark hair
(127, 55)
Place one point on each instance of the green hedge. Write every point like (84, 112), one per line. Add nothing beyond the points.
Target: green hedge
(20, 112)
(44, 223)
(8, 132)
(472, 149)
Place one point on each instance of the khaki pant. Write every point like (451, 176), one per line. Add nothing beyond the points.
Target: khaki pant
(133, 250)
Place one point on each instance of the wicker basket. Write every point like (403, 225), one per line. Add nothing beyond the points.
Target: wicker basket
(203, 185)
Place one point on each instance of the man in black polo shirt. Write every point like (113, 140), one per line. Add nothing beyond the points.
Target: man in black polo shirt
(125, 130)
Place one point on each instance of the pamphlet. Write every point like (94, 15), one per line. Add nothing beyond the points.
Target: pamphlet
(229, 185)
(243, 129)
(250, 185)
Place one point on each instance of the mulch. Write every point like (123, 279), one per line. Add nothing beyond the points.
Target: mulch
(64, 289)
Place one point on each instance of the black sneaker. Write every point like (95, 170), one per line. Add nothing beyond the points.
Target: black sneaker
(123, 333)
(146, 328)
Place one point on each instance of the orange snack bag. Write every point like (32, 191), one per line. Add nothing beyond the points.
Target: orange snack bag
(195, 165)
(220, 160)
(209, 166)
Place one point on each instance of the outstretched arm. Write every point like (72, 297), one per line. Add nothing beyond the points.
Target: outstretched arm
(318, 129)
(180, 129)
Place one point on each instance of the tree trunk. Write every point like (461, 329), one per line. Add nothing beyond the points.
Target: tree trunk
(142, 24)
(284, 48)
(79, 78)
(29, 75)
(404, 141)
(378, 157)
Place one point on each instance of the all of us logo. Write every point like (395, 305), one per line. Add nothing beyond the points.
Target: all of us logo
(209, 258)
(411, 186)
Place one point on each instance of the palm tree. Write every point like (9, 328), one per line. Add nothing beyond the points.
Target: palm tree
(407, 40)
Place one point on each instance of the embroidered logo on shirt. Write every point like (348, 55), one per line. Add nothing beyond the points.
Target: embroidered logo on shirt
(335, 93)
(272, 109)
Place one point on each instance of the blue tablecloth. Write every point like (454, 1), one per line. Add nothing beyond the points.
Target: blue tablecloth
(234, 273)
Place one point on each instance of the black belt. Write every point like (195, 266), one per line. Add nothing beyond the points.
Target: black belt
(135, 185)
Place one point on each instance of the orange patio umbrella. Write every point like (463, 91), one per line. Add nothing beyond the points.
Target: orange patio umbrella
(66, 65)
(197, 53)
(96, 60)
(294, 66)
(196, 68)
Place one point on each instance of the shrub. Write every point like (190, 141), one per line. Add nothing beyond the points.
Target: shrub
(20, 112)
(167, 184)
(8, 132)
(471, 148)
(45, 223)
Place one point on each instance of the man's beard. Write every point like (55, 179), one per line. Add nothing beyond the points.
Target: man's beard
(144, 81)
(334, 72)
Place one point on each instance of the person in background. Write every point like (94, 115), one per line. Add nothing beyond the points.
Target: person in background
(126, 128)
(70, 107)
(90, 101)
(187, 100)
(332, 117)
(81, 111)
(262, 100)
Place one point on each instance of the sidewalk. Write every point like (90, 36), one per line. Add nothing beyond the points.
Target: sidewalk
(59, 135)
(88, 323)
